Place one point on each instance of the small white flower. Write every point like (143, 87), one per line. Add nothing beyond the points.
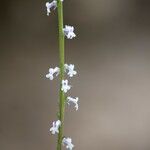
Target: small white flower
(65, 87)
(69, 32)
(68, 143)
(73, 100)
(61, 0)
(51, 73)
(71, 71)
(55, 127)
(53, 5)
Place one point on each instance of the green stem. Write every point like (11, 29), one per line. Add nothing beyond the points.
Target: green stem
(61, 65)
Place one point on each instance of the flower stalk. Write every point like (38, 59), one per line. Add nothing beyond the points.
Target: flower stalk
(61, 65)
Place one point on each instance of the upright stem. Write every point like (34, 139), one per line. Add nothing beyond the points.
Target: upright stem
(61, 65)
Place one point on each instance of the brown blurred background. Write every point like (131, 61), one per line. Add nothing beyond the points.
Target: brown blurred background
(112, 57)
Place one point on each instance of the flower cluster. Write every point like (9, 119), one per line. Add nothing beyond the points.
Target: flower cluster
(69, 70)
(65, 87)
(68, 30)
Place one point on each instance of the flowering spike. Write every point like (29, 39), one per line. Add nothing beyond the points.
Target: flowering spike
(53, 5)
(71, 71)
(55, 127)
(69, 32)
(51, 73)
(65, 86)
(73, 100)
(68, 143)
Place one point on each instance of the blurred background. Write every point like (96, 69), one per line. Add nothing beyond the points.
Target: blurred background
(112, 56)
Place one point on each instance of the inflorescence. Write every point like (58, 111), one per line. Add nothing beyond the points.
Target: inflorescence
(65, 87)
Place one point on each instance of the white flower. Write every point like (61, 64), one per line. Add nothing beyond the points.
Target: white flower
(68, 31)
(51, 73)
(71, 71)
(65, 87)
(55, 127)
(53, 4)
(68, 143)
(73, 100)
(61, 0)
